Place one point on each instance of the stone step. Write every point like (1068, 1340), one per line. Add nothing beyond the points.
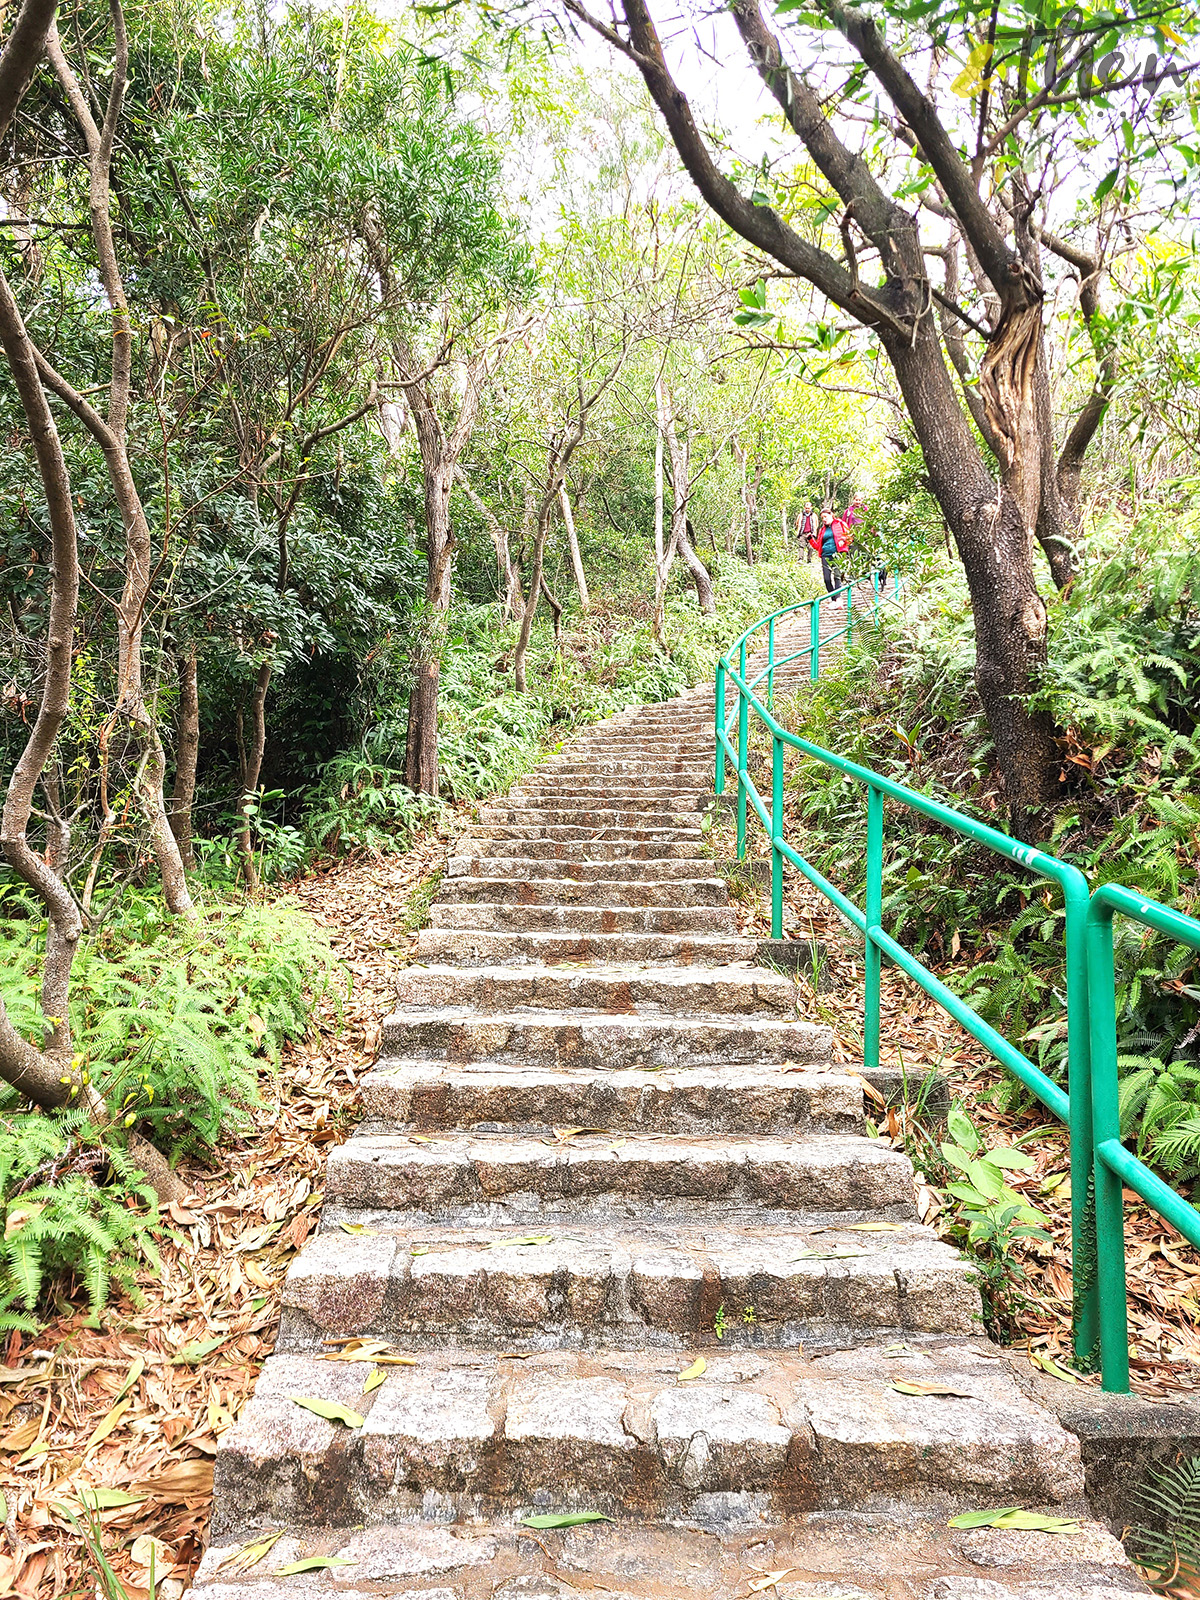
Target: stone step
(741, 991)
(633, 810)
(507, 1178)
(481, 947)
(588, 852)
(738, 1284)
(591, 819)
(613, 794)
(570, 891)
(462, 1434)
(580, 1038)
(532, 868)
(679, 833)
(852, 1555)
(600, 765)
(585, 919)
(488, 1095)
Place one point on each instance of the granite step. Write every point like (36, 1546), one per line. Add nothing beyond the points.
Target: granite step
(569, 891)
(588, 852)
(531, 868)
(484, 947)
(538, 1099)
(584, 919)
(688, 833)
(738, 1284)
(742, 991)
(582, 1038)
(850, 1555)
(555, 808)
(760, 1433)
(503, 1178)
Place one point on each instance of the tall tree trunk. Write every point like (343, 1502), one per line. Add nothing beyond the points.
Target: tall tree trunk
(681, 534)
(421, 766)
(111, 434)
(995, 544)
(585, 604)
(664, 554)
(252, 760)
(187, 752)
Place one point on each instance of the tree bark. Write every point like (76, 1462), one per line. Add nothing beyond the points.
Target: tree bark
(508, 580)
(993, 524)
(585, 603)
(110, 433)
(187, 751)
(251, 761)
(50, 1077)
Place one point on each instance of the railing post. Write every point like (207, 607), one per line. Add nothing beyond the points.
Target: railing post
(1110, 1317)
(850, 613)
(776, 837)
(743, 742)
(719, 776)
(814, 631)
(1090, 1289)
(875, 596)
(873, 908)
(771, 664)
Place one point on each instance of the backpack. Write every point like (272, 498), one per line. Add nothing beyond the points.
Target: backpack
(841, 535)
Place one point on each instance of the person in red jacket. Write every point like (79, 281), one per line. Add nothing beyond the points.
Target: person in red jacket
(831, 542)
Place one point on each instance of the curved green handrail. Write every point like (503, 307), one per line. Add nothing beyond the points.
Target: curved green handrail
(1099, 1162)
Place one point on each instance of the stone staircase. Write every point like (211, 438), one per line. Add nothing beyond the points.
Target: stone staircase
(600, 1144)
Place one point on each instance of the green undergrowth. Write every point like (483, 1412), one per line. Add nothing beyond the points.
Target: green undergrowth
(1121, 682)
(178, 1027)
(490, 735)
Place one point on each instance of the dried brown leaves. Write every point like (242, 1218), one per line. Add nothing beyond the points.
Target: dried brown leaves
(118, 1426)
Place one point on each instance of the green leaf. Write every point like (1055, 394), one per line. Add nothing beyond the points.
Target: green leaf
(374, 1378)
(961, 1130)
(189, 1354)
(566, 1519)
(314, 1564)
(1012, 1160)
(329, 1409)
(106, 1499)
(1015, 1517)
(1106, 183)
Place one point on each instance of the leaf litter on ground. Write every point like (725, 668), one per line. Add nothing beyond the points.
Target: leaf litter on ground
(247, 1215)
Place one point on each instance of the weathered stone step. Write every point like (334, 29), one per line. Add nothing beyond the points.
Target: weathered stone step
(584, 851)
(465, 1434)
(632, 811)
(488, 1095)
(687, 833)
(531, 868)
(603, 1038)
(569, 891)
(623, 1287)
(585, 919)
(741, 991)
(600, 765)
(876, 1555)
(629, 795)
(484, 947)
(504, 1178)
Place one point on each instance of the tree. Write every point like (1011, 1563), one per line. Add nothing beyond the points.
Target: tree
(989, 154)
(52, 1076)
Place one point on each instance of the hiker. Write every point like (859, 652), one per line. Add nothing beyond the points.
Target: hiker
(807, 530)
(833, 541)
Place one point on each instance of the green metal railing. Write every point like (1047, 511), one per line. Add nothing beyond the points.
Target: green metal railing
(1100, 1164)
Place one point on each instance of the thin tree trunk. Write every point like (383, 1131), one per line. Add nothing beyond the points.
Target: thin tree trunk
(252, 760)
(664, 558)
(187, 751)
(585, 604)
(508, 580)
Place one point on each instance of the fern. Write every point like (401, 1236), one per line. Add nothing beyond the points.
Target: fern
(73, 1209)
(1165, 1541)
